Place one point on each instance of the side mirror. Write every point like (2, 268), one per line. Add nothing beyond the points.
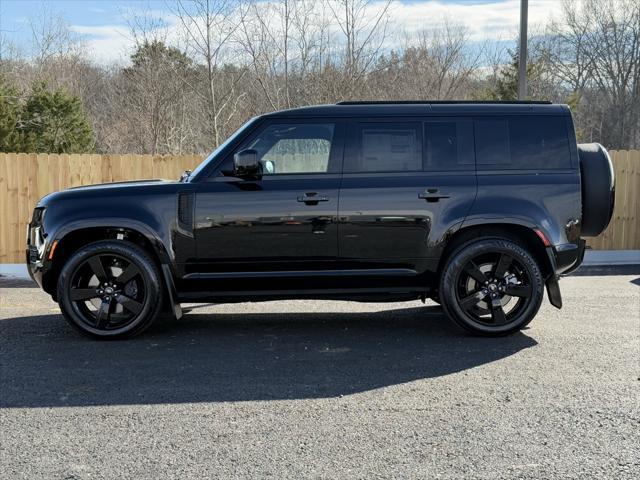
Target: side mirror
(246, 165)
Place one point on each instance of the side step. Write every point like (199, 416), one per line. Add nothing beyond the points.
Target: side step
(367, 294)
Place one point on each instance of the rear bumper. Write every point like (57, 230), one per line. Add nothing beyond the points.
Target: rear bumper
(569, 257)
(566, 257)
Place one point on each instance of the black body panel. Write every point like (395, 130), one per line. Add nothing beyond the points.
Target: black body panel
(261, 225)
(385, 222)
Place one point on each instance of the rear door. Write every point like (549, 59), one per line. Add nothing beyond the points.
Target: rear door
(406, 183)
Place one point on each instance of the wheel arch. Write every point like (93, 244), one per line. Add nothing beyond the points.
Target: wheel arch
(74, 236)
(525, 236)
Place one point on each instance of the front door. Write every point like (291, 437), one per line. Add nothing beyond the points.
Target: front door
(283, 222)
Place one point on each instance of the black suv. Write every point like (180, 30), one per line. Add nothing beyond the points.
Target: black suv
(477, 206)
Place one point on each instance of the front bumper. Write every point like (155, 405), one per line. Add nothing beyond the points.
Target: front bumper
(35, 271)
(35, 253)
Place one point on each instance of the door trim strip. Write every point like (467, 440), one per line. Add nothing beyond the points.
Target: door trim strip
(369, 272)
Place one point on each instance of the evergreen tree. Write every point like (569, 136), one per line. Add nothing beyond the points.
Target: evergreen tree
(506, 84)
(10, 110)
(55, 122)
(506, 87)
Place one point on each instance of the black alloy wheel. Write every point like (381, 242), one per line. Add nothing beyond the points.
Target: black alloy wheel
(492, 287)
(110, 290)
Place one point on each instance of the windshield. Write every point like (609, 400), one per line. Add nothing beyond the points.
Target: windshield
(221, 147)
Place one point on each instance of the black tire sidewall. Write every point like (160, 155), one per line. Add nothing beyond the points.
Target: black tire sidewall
(469, 251)
(151, 278)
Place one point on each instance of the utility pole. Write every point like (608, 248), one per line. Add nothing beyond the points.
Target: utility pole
(522, 51)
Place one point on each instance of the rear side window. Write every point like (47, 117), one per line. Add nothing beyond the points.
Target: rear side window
(449, 145)
(536, 143)
(385, 147)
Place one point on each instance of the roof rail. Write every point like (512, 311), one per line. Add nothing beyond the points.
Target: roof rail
(444, 102)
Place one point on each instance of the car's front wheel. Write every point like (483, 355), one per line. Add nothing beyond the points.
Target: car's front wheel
(110, 289)
(491, 287)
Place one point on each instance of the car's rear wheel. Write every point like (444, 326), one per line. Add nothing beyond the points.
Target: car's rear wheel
(110, 289)
(491, 287)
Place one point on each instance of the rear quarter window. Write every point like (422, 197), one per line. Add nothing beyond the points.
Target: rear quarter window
(522, 143)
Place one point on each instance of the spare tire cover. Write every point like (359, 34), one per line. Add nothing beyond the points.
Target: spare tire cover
(598, 188)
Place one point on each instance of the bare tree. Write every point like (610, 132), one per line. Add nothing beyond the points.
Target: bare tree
(443, 63)
(210, 26)
(188, 85)
(597, 55)
(284, 44)
(155, 102)
(364, 27)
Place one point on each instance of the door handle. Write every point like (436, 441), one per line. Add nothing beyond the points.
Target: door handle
(313, 198)
(432, 195)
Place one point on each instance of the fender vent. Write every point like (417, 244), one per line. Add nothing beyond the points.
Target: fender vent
(185, 211)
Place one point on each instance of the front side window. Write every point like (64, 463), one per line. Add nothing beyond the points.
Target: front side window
(382, 147)
(294, 148)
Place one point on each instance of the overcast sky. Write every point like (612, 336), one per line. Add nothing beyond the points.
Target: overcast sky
(102, 24)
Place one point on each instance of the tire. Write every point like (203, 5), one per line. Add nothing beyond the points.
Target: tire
(110, 290)
(491, 287)
(598, 188)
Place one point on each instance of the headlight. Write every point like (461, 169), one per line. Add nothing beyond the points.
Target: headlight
(38, 216)
(36, 236)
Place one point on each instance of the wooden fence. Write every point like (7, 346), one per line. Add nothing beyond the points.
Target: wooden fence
(24, 178)
(623, 233)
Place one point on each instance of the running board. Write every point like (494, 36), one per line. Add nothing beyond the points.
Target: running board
(418, 291)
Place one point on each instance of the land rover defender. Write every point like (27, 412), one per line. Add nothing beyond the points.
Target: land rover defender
(478, 206)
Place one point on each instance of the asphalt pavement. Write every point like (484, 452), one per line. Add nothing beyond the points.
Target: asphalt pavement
(318, 389)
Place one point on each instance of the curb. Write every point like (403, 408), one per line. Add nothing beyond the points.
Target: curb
(14, 270)
(602, 258)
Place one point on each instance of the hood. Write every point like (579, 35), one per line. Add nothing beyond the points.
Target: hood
(129, 183)
(106, 189)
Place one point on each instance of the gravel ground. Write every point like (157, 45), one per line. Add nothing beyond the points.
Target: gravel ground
(325, 390)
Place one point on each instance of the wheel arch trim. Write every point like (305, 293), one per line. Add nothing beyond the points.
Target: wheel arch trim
(156, 242)
(543, 253)
(160, 249)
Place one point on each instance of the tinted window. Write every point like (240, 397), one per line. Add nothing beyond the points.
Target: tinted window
(381, 147)
(522, 143)
(294, 148)
(449, 145)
